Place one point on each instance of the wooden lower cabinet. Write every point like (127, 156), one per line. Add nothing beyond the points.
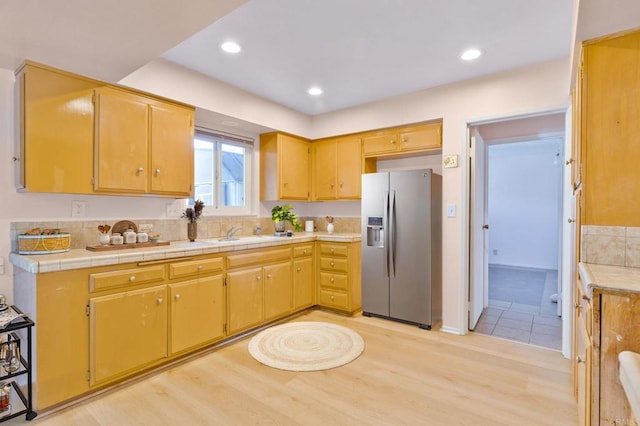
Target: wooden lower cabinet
(605, 325)
(339, 276)
(198, 312)
(304, 283)
(278, 297)
(245, 299)
(127, 331)
(97, 326)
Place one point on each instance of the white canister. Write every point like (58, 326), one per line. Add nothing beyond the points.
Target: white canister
(308, 226)
(142, 237)
(129, 236)
(116, 239)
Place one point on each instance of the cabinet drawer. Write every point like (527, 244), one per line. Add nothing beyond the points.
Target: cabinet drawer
(333, 264)
(195, 267)
(334, 299)
(333, 250)
(127, 277)
(338, 281)
(302, 251)
(261, 257)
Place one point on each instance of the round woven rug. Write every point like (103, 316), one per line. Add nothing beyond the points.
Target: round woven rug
(306, 346)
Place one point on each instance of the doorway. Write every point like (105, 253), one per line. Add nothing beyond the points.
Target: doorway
(515, 228)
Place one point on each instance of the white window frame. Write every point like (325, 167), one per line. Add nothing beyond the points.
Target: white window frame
(218, 209)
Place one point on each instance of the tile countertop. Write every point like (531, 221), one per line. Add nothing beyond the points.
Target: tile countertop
(609, 278)
(81, 258)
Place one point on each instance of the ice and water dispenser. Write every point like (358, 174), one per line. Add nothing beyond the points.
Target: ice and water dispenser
(375, 232)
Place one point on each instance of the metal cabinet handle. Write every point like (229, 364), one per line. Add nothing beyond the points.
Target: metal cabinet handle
(392, 141)
(577, 306)
(157, 172)
(132, 278)
(332, 298)
(140, 169)
(569, 161)
(298, 269)
(585, 297)
(404, 140)
(200, 267)
(332, 250)
(571, 220)
(579, 360)
(177, 296)
(332, 279)
(160, 300)
(332, 263)
(258, 278)
(268, 276)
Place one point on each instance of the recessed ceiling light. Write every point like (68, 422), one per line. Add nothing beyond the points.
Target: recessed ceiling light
(471, 54)
(315, 91)
(230, 47)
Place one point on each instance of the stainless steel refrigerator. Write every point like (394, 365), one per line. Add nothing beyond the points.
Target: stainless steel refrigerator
(401, 246)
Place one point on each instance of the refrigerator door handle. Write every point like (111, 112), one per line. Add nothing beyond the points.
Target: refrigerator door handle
(385, 221)
(392, 234)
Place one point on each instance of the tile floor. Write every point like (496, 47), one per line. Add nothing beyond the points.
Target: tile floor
(531, 322)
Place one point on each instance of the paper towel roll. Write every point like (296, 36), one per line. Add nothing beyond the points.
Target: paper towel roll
(308, 226)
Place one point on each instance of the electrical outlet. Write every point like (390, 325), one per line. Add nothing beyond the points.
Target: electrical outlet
(78, 208)
(451, 210)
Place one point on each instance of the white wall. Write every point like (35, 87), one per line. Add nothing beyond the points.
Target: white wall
(524, 181)
(536, 88)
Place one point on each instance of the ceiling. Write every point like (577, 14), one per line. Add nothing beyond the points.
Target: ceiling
(358, 51)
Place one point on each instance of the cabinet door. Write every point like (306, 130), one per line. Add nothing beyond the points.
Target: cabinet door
(379, 143)
(303, 283)
(277, 290)
(245, 299)
(582, 367)
(197, 312)
(324, 170)
(293, 168)
(171, 150)
(127, 331)
(121, 141)
(349, 168)
(56, 132)
(421, 138)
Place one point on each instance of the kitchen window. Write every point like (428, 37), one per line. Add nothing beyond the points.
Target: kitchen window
(222, 171)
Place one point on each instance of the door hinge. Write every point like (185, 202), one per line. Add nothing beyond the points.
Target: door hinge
(224, 281)
(224, 328)
(87, 310)
(88, 375)
(93, 98)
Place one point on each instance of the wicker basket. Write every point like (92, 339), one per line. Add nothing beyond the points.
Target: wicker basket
(44, 244)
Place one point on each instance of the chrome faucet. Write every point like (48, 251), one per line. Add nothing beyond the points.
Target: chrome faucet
(232, 231)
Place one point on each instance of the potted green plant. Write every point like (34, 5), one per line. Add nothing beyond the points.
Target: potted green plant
(280, 214)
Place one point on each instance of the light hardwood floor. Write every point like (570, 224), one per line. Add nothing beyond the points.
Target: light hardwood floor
(404, 376)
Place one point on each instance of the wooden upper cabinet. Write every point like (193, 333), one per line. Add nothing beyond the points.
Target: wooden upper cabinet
(284, 167)
(171, 150)
(325, 169)
(142, 145)
(83, 136)
(55, 122)
(121, 142)
(423, 137)
(349, 167)
(336, 168)
(610, 106)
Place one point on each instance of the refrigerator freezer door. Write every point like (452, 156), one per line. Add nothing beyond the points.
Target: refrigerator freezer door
(409, 287)
(375, 281)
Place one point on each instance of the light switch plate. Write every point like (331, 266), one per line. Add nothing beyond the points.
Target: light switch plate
(78, 208)
(450, 161)
(451, 210)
